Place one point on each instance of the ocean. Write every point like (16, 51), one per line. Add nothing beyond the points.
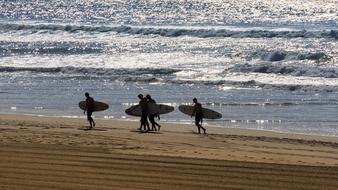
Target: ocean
(263, 64)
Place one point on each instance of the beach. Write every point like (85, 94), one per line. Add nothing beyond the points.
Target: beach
(269, 68)
(39, 152)
(262, 65)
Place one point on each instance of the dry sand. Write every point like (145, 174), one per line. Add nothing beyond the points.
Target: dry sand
(59, 153)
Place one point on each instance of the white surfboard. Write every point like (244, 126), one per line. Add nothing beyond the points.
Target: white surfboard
(152, 109)
(207, 113)
(98, 106)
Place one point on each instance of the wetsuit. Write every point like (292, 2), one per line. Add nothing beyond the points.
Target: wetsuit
(198, 114)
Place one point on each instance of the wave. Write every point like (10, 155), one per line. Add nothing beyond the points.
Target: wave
(258, 85)
(285, 55)
(174, 32)
(21, 48)
(51, 50)
(293, 70)
(285, 104)
(284, 87)
(102, 72)
(149, 75)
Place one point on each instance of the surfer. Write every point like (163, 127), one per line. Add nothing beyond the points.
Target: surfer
(144, 114)
(197, 112)
(89, 108)
(152, 116)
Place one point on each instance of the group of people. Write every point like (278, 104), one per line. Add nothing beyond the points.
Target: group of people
(144, 103)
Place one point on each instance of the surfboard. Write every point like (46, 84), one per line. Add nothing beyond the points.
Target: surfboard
(207, 113)
(98, 106)
(152, 109)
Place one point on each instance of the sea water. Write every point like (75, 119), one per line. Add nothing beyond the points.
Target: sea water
(263, 64)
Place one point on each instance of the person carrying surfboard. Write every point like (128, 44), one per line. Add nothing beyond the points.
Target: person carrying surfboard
(197, 112)
(152, 116)
(89, 109)
(144, 114)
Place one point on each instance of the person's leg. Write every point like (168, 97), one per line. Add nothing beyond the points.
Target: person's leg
(140, 128)
(142, 123)
(200, 126)
(152, 121)
(204, 129)
(144, 120)
(147, 123)
(89, 118)
(145, 126)
(197, 124)
(93, 121)
(158, 125)
(90, 122)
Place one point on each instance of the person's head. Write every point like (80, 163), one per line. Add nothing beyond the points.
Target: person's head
(148, 96)
(87, 94)
(140, 96)
(194, 100)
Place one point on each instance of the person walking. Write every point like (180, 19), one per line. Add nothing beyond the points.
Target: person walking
(144, 113)
(197, 112)
(152, 116)
(89, 109)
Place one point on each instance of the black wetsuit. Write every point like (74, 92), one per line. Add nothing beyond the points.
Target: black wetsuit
(90, 107)
(198, 113)
(152, 117)
(199, 117)
(144, 114)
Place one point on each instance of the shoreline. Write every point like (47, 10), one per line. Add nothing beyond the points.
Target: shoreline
(187, 124)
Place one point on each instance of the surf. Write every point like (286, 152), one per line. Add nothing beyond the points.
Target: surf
(207, 32)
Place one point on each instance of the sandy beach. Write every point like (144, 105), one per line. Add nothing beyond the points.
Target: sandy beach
(60, 153)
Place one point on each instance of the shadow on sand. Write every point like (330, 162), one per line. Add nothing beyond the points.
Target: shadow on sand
(140, 131)
(92, 129)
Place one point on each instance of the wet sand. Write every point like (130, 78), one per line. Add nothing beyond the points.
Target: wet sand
(60, 153)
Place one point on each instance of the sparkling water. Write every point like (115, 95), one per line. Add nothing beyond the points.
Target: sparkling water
(263, 64)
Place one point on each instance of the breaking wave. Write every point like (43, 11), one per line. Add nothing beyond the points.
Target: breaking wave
(285, 55)
(293, 70)
(258, 85)
(102, 72)
(175, 32)
(166, 75)
(64, 50)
